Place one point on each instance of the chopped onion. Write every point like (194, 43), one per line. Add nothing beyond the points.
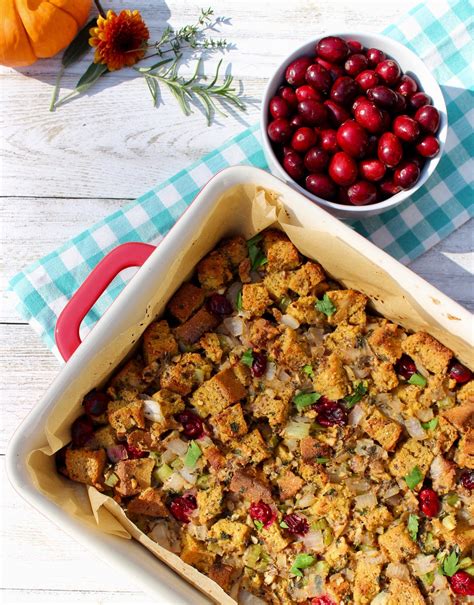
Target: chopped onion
(306, 500)
(291, 444)
(175, 483)
(314, 540)
(271, 371)
(235, 325)
(296, 430)
(415, 429)
(439, 582)
(375, 558)
(188, 475)
(290, 321)
(442, 598)
(368, 500)
(357, 486)
(152, 411)
(116, 453)
(315, 336)
(232, 293)
(284, 376)
(160, 534)
(381, 598)
(177, 446)
(247, 598)
(392, 491)
(167, 456)
(198, 531)
(425, 415)
(397, 570)
(421, 369)
(356, 415)
(423, 564)
(205, 441)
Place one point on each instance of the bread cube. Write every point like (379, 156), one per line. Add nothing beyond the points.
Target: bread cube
(230, 423)
(158, 342)
(306, 278)
(229, 536)
(397, 544)
(428, 351)
(350, 307)
(134, 475)
(330, 378)
(86, 466)
(186, 301)
(280, 252)
(382, 429)
(149, 503)
(386, 342)
(128, 417)
(196, 553)
(412, 453)
(214, 271)
(219, 392)
(201, 322)
(273, 405)
(255, 299)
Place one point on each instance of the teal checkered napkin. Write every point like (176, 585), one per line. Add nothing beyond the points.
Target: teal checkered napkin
(439, 32)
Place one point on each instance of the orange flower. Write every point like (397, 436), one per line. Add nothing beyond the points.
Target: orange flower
(119, 39)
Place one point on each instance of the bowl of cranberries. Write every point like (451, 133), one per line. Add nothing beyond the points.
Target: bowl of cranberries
(355, 122)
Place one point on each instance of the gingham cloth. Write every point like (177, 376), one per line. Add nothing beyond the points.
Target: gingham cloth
(439, 32)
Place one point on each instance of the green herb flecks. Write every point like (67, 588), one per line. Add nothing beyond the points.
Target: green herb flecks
(247, 358)
(413, 526)
(304, 400)
(326, 306)
(302, 561)
(283, 525)
(192, 455)
(322, 460)
(450, 563)
(418, 380)
(256, 256)
(359, 392)
(258, 524)
(430, 425)
(308, 370)
(414, 477)
(238, 301)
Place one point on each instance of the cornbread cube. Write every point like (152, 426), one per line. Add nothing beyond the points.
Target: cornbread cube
(189, 371)
(214, 271)
(134, 475)
(289, 485)
(230, 536)
(251, 449)
(397, 544)
(344, 339)
(336, 556)
(466, 393)
(235, 249)
(250, 486)
(303, 309)
(255, 299)
(278, 593)
(201, 322)
(261, 332)
(195, 553)
(404, 592)
(209, 503)
(212, 347)
(245, 268)
(314, 473)
(330, 378)
(444, 481)
(464, 456)
(462, 535)
(273, 538)
(334, 503)
(222, 575)
(186, 301)
(384, 376)
(306, 278)
(291, 351)
(103, 438)
(428, 351)
(377, 518)
(273, 405)
(219, 392)
(280, 252)
(230, 423)
(277, 284)
(461, 416)
(129, 378)
(412, 453)
(158, 342)
(170, 403)
(339, 588)
(366, 582)
(350, 307)
(149, 503)
(311, 448)
(386, 342)
(214, 458)
(128, 417)
(146, 441)
(382, 429)
(86, 466)
(242, 373)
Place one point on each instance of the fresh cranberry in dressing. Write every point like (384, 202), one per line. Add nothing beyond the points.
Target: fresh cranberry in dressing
(82, 430)
(429, 502)
(193, 427)
(322, 600)
(217, 304)
(95, 403)
(467, 480)
(462, 583)
(405, 367)
(458, 372)
(297, 525)
(260, 511)
(330, 413)
(259, 364)
(182, 507)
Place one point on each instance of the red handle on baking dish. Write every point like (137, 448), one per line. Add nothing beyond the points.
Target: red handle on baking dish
(82, 301)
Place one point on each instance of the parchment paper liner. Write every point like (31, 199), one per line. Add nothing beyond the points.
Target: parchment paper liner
(244, 209)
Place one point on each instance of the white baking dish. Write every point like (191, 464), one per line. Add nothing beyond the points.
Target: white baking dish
(131, 312)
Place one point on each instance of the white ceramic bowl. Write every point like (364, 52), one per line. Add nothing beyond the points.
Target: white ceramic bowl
(410, 64)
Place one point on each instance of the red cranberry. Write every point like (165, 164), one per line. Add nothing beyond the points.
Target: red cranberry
(372, 170)
(343, 169)
(259, 364)
(322, 600)
(260, 511)
(316, 159)
(406, 128)
(429, 502)
(375, 56)
(373, 144)
(406, 175)
(428, 147)
(428, 118)
(467, 480)
(367, 79)
(335, 71)
(193, 427)
(369, 116)
(388, 189)
(279, 108)
(319, 77)
(95, 403)
(342, 196)
(82, 430)
(337, 113)
(321, 185)
(344, 91)
(182, 507)
(419, 99)
(332, 49)
(383, 97)
(355, 64)
(330, 412)
(459, 373)
(362, 193)
(293, 164)
(405, 367)
(329, 140)
(303, 139)
(297, 526)
(297, 121)
(305, 92)
(288, 94)
(279, 130)
(390, 149)
(355, 46)
(218, 304)
(135, 452)
(462, 583)
(315, 113)
(387, 120)
(389, 71)
(352, 139)
(401, 103)
(296, 71)
(407, 86)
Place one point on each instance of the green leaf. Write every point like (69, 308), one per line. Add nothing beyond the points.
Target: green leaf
(247, 358)
(428, 578)
(414, 477)
(413, 526)
(257, 257)
(302, 561)
(258, 524)
(283, 525)
(417, 379)
(325, 306)
(192, 455)
(308, 370)
(359, 392)
(111, 480)
(90, 76)
(238, 302)
(322, 460)
(430, 425)
(450, 564)
(304, 400)
(79, 45)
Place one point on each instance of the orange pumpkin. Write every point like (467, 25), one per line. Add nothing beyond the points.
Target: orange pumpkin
(35, 29)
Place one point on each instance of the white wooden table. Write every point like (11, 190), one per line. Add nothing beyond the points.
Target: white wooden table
(60, 172)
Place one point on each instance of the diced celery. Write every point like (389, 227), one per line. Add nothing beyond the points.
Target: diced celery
(163, 473)
(296, 430)
(465, 562)
(321, 568)
(177, 464)
(252, 555)
(156, 457)
(111, 480)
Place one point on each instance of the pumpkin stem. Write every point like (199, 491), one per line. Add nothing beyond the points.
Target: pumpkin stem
(100, 9)
(54, 96)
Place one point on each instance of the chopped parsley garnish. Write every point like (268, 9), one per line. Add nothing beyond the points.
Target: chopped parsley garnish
(192, 455)
(325, 306)
(247, 358)
(417, 379)
(304, 400)
(414, 477)
(359, 392)
(238, 302)
(258, 524)
(413, 526)
(450, 564)
(430, 425)
(256, 256)
(302, 561)
(283, 524)
(308, 370)
(322, 460)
